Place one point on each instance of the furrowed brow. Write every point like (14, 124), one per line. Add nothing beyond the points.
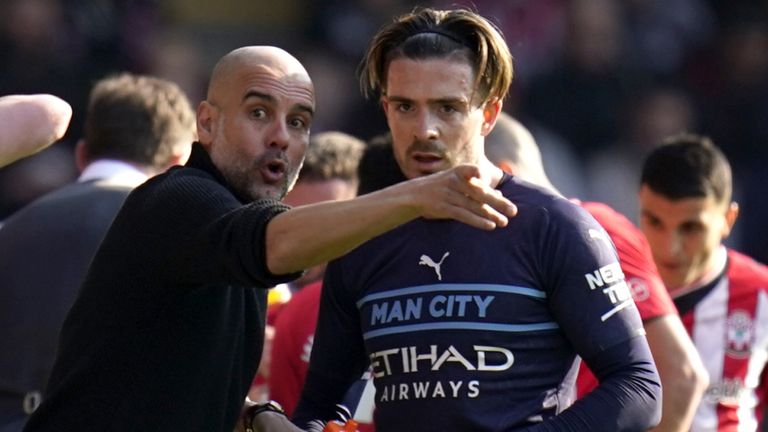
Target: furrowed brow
(309, 110)
(258, 95)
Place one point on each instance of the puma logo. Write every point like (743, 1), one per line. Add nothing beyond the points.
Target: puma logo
(427, 261)
(600, 235)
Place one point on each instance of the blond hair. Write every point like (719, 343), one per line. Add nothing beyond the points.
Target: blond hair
(430, 33)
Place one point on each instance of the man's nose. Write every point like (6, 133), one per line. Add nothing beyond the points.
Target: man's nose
(279, 135)
(673, 244)
(425, 128)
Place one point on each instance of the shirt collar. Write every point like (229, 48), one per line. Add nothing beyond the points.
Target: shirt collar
(113, 171)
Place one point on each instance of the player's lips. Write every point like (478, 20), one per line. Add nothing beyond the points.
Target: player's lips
(273, 171)
(427, 161)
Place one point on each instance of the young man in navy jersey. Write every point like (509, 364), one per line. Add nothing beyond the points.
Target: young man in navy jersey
(465, 330)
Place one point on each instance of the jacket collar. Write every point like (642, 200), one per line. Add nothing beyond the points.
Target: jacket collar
(200, 159)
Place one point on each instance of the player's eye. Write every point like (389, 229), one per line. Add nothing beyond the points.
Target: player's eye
(258, 113)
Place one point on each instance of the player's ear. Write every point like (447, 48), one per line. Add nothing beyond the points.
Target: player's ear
(207, 114)
(384, 103)
(491, 111)
(81, 155)
(731, 214)
(507, 166)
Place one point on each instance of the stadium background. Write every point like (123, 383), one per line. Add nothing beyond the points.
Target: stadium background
(598, 81)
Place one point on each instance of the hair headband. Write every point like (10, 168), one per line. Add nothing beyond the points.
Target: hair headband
(441, 32)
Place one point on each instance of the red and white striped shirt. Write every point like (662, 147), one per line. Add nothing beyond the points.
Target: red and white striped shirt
(729, 326)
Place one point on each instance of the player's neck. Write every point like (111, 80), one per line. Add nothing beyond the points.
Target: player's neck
(490, 172)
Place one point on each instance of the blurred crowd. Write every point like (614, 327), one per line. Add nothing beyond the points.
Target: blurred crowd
(600, 82)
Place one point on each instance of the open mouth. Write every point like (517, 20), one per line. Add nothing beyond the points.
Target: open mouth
(273, 171)
(426, 158)
(427, 163)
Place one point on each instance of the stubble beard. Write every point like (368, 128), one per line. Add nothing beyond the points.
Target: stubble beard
(450, 158)
(245, 177)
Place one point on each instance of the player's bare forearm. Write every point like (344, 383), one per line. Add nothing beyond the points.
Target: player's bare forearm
(683, 375)
(309, 235)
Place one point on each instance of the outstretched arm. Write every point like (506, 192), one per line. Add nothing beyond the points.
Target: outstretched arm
(309, 235)
(683, 375)
(29, 123)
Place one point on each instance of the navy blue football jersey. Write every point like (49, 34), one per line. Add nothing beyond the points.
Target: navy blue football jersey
(466, 329)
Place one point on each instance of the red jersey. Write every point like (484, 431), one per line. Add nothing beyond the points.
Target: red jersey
(636, 261)
(728, 322)
(294, 331)
(275, 305)
(291, 348)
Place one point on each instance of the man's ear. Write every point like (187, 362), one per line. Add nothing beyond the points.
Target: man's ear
(731, 214)
(491, 111)
(385, 107)
(507, 166)
(384, 103)
(206, 122)
(81, 155)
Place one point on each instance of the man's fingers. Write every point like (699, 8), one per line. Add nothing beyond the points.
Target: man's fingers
(467, 171)
(473, 212)
(463, 215)
(498, 219)
(483, 193)
(462, 195)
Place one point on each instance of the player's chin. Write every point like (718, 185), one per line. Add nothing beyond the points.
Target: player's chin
(679, 279)
(423, 172)
(264, 191)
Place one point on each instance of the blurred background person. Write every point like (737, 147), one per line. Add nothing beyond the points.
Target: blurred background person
(687, 211)
(378, 167)
(136, 126)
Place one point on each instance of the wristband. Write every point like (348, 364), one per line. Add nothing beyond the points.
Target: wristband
(259, 408)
